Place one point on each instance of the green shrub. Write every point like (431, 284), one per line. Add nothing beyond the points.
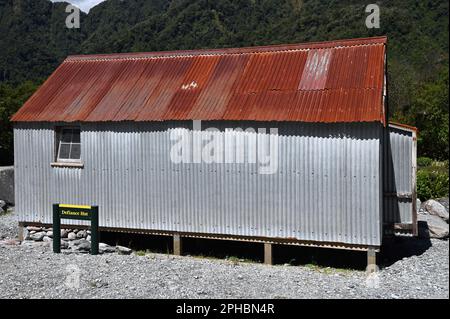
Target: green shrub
(11, 99)
(424, 161)
(432, 181)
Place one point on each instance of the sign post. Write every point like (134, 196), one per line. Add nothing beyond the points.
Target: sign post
(56, 229)
(80, 212)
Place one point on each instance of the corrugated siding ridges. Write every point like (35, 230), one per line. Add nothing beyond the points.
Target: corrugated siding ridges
(327, 187)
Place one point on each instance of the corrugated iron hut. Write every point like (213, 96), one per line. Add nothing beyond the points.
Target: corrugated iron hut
(103, 128)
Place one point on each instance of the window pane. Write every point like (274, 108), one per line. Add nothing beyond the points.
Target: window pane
(66, 136)
(76, 136)
(64, 151)
(75, 151)
(69, 144)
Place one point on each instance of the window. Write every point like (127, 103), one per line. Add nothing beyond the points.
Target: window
(68, 145)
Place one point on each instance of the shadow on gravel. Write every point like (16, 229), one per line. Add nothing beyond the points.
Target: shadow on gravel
(139, 242)
(321, 257)
(241, 251)
(397, 248)
(393, 250)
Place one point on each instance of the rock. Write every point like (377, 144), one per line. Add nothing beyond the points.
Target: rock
(75, 242)
(9, 242)
(72, 236)
(34, 228)
(49, 234)
(64, 244)
(110, 249)
(29, 243)
(81, 234)
(84, 245)
(1, 211)
(33, 244)
(47, 239)
(444, 202)
(101, 284)
(437, 228)
(123, 250)
(33, 232)
(436, 209)
(64, 233)
(39, 236)
(7, 184)
(2, 204)
(25, 233)
(88, 237)
(418, 205)
(104, 248)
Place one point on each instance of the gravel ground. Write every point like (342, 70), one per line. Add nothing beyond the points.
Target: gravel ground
(8, 225)
(35, 272)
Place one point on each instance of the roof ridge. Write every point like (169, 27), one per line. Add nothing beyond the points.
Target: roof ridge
(230, 51)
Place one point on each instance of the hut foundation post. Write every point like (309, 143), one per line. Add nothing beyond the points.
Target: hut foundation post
(21, 234)
(268, 259)
(177, 245)
(371, 260)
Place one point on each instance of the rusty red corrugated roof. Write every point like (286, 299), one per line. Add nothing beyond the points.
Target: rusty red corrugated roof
(334, 81)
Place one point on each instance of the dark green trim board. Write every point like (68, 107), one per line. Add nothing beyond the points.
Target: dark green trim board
(56, 229)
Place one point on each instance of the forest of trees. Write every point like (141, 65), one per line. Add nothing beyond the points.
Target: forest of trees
(34, 40)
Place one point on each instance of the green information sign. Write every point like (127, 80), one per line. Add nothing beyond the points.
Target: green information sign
(80, 212)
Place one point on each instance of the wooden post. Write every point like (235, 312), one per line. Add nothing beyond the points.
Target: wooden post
(56, 229)
(371, 260)
(415, 227)
(268, 260)
(94, 230)
(21, 232)
(177, 245)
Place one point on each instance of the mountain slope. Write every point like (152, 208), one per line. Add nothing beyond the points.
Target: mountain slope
(34, 40)
(33, 31)
(111, 20)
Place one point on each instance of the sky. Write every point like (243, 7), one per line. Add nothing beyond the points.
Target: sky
(84, 5)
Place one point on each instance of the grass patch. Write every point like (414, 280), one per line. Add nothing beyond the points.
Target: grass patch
(7, 211)
(327, 270)
(141, 253)
(236, 260)
(313, 265)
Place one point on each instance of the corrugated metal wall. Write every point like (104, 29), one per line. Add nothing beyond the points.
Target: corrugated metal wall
(327, 187)
(398, 179)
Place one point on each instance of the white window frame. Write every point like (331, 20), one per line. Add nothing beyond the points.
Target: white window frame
(59, 133)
